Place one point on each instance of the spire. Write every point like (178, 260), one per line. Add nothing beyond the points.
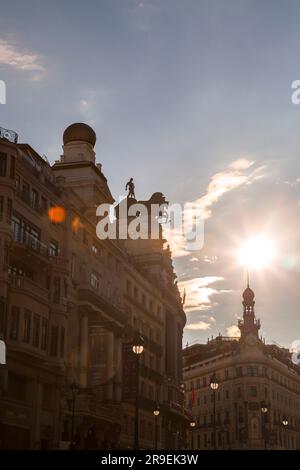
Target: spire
(249, 324)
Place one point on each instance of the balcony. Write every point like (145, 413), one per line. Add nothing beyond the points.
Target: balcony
(101, 303)
(25, 239)
(25, 197)
(28, 286)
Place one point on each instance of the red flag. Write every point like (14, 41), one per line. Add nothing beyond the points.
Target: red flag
(192, 399)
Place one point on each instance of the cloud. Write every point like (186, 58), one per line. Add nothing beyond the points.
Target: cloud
(233, 331)
(26, 61)
(198, 292)
(201, 325)
(234, 176)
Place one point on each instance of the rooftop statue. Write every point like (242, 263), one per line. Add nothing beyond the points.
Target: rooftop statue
(130, 187)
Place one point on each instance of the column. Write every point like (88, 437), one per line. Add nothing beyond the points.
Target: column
(109, 364)
(83, 358)
(118, 381)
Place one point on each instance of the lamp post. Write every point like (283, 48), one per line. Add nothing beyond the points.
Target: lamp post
(192, 426)
(74, 391)
(137, 348)
(214, 385)
(264, 411)
(156, 413)
(285, 423)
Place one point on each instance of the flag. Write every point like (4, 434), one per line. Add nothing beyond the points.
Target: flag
(192, 398)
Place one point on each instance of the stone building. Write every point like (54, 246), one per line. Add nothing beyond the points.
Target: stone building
(256, 401)
(70, 303)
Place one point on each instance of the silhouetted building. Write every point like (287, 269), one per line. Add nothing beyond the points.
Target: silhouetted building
(70, 304)
(257, 401)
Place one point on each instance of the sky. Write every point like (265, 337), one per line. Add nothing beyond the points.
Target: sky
(192, 98)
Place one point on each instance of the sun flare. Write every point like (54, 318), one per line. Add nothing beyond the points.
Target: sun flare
(257, 252)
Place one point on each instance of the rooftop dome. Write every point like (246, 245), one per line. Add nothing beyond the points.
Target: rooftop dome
(79, 131)
(248, 295)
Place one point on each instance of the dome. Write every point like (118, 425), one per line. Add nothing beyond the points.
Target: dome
(248, 295)
(79, 131)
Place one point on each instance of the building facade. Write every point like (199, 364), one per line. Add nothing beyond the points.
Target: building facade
(70, 304)
(243, 393)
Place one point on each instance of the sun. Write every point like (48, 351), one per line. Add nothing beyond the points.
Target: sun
(257, 252)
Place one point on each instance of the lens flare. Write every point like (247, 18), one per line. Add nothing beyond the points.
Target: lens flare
(57, 214)
(257, 252)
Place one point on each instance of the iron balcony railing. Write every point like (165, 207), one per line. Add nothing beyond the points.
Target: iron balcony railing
(30, 241)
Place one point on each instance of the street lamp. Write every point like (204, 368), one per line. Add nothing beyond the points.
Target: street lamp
(137, 348)
(285, 421)
(264, 411)
(192, 426)
(74, 391)
(214, 385)
(156, 413)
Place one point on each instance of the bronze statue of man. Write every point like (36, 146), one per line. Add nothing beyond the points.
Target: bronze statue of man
(130, 187)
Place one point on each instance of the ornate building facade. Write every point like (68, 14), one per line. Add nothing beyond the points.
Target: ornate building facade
(70, 304)
(243, 393)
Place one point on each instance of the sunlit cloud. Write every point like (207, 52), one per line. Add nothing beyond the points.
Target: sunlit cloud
(233, 331)
(201, 325)
(199, 292)
(238, 173)
(12, 56)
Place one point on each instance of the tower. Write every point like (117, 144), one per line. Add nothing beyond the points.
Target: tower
(249, 324)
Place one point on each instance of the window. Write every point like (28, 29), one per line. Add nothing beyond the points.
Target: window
(26, 192)
(12, 167)
(16, 228)
(73, 266)
(9, 211)
(3, 161)
(2, 315)
(239, 371)
(253, 391)
(62, 342)
(16, 387)
(94, 249)
(53, 248)
(128, 287)
(56, 290)
(27, 326)
(14, 323)
(34, 199)
(65, 289)
(1, 207)
(44, 335)
(44, 204)
(252, 371)
(54, 341)
(95, 280)
(47, 398)
(36, 331)
(85, 237)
